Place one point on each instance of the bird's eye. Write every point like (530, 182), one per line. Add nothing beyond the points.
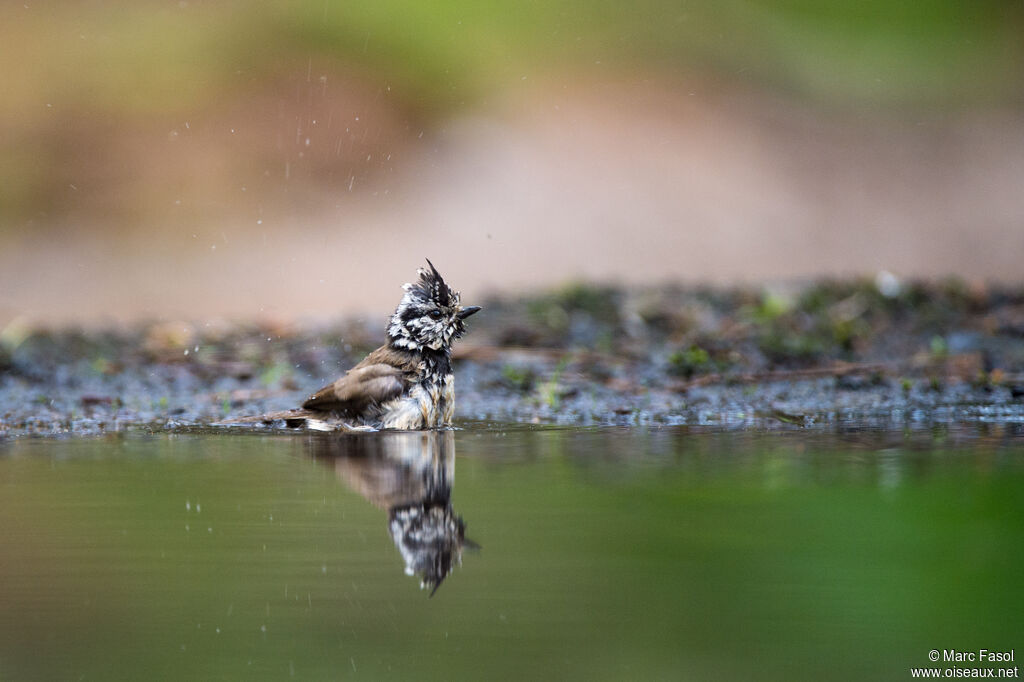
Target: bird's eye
(435, 314)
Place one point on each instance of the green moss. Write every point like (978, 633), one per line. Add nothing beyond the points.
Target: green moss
(276, 373)
(791, 348)
(846, 333)
(600, 302)
(821, 296)
(771, 307)
(101, 365)
(518, 378)
(688, 362)
(547, 313)
(550, 391)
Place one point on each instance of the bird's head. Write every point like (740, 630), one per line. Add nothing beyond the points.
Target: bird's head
(429, 315)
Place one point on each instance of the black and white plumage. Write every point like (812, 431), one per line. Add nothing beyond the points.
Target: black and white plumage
(405, 384)
(430, 538)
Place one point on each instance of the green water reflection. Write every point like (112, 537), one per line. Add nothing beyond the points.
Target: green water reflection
(604, 554)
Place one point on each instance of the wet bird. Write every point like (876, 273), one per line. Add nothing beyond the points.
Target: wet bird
(405, 384)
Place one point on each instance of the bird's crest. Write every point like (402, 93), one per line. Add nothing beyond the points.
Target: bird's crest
(431, 287)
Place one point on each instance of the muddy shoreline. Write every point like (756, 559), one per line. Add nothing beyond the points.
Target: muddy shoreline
(872, 353)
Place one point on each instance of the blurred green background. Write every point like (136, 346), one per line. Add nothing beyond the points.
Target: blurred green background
(794, 137)
(92, 77)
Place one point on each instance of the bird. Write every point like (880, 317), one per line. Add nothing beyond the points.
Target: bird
(406, 384)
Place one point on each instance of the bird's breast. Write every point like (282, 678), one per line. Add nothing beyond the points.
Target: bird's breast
(448, 400)
(427, 405)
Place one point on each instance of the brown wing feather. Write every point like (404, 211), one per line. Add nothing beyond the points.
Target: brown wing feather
(383, 375)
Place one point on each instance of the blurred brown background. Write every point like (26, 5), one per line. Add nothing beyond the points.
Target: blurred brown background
(298, 160)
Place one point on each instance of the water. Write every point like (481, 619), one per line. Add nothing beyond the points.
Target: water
(585, 554)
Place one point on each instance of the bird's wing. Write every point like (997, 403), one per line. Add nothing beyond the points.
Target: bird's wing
(362, 386)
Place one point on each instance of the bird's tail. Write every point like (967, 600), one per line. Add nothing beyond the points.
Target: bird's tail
(314, 420)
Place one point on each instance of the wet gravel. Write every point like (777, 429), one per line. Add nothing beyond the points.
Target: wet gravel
(861, 353)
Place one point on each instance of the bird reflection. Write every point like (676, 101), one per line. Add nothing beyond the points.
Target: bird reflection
(409, 474)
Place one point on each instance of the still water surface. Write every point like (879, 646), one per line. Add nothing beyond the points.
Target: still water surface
(573, 554)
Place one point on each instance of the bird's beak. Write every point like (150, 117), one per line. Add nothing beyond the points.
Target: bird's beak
(467, 311)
